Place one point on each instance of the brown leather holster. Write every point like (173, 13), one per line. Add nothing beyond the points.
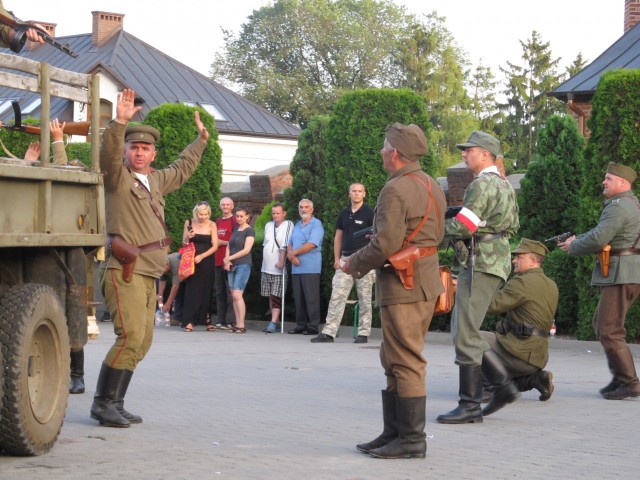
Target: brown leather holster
(402, 261)
(126, 254)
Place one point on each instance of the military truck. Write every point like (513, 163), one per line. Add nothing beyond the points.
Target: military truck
(51, 217)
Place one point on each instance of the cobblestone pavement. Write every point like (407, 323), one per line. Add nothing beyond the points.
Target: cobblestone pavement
(259, 406)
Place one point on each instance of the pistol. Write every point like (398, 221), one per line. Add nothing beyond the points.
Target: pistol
(558, 238)
(363, 232)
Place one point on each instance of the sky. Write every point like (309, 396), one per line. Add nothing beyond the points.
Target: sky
(489, 32)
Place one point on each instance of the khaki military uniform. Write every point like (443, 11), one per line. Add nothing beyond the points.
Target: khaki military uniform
(406, 314)
(129, 215)
(527, 298)
(492, 199)
(619, 226)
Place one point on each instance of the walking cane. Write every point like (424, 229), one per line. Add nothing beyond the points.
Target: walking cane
(284, 291)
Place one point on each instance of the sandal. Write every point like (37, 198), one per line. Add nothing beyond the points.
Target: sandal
(239, 330)
(210, 327)
(188, 327)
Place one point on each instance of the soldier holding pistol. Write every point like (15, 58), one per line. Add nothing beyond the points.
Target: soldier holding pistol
(619, 280)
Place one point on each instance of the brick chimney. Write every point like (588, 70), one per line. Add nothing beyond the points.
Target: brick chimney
(105, 25)
(631, 14)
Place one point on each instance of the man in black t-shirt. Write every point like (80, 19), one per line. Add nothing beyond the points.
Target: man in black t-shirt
(356, 216)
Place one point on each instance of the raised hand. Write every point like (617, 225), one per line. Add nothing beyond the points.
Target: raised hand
(125, 107)
(57, 130)
(203, 133)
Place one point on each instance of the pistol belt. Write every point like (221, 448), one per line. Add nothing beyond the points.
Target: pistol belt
(622, 252)
(158, 244)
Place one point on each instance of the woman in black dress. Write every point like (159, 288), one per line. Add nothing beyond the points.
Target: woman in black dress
(197, 288)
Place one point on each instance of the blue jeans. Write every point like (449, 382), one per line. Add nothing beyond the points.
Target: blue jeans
(239, 277)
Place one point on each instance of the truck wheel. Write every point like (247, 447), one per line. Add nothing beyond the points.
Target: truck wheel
(36, 372)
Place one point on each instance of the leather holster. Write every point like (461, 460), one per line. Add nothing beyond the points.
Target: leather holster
(126, 254)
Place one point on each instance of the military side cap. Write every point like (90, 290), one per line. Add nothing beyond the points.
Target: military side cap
(482, 140)
(141, 133)
(622, 171)
(409, 140)
(531, 246)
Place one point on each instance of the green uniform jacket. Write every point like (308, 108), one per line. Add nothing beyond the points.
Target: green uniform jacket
(128, 208)
(491, 197)
(401, 205)
(619, 225)
(530, 297)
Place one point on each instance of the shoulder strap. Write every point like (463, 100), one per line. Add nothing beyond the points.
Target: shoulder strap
(426, 214)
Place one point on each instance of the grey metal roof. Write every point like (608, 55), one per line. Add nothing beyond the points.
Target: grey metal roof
(155, 77)
(624, 53)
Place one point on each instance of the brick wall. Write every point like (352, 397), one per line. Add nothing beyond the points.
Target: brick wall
(631, 14)
(458, 179)
(105, 24)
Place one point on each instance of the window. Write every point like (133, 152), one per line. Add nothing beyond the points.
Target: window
(208, 107)
(213, 111)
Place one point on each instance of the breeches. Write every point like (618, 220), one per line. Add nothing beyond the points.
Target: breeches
(132, 308)
(472, 303)
(608, 319)
(404, 326)
(514, 365)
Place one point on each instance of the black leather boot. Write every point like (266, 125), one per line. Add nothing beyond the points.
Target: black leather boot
(468, 409)
(390, 430)
(103, 408)
(541, 381)
(410, 421)
(621, 363)
(504, 390)
(77, 372)
(118, 401)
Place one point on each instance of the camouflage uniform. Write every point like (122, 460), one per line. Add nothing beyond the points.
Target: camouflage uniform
(5, 31)
(340, 288)
(492, 200)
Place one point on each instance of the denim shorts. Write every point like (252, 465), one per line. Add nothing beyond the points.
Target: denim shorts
(239, 277)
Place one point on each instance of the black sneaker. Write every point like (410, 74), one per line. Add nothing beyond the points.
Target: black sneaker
(361, 339)
(296, 331)
(310, 331)
(322, 338)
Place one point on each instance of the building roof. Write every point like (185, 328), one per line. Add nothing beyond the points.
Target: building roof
(624, 53)
(155, 77)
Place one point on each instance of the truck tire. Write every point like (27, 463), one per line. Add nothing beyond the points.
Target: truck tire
(36, 373)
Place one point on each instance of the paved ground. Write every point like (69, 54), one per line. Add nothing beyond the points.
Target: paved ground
(257, 406)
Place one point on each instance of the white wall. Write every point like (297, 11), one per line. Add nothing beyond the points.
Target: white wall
(244, 156)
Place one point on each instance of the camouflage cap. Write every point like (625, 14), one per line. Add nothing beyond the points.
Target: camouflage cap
(141, 133)
(409, 140)
(622, 171)
(482, 140)
(531, 246)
